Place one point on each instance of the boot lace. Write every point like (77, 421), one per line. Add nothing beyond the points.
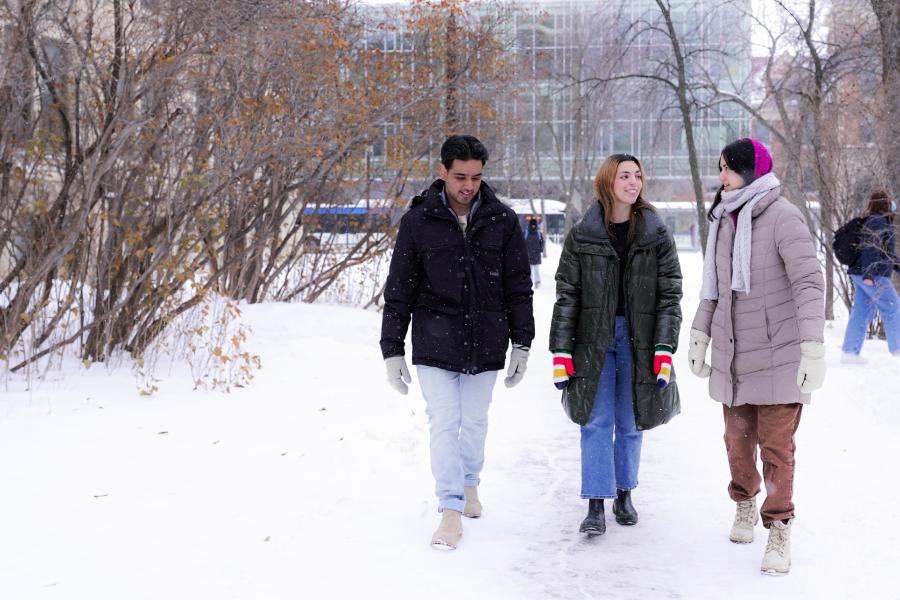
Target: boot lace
(745, 513)
(777, 540)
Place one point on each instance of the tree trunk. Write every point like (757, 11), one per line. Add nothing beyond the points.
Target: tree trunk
(451, 122)
(684, 106)
(888, 15)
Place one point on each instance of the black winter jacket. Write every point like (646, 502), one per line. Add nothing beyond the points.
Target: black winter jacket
(587, 292)
(468, 295)
(878, 256)
(534, 241)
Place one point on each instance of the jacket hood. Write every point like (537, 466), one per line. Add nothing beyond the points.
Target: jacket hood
(650, 230)
(433, 194)
(766, 201)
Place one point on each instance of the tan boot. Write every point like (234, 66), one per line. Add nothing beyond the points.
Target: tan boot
(745, 519)
(777, 559)
(473, 506)
(447, 535)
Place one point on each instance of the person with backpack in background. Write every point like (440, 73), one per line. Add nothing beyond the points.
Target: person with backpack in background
(870, 272)
(534, 241)
(762, 305)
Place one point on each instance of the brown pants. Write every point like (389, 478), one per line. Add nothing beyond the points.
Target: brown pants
(772, 429)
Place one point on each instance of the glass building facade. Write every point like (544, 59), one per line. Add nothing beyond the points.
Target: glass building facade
(622, 110)
(582, 92)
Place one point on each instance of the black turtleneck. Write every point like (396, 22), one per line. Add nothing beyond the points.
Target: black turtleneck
(619, 239)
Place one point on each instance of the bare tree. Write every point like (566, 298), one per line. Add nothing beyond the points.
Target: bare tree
(810, 78)
(671, 48)
(155, 153)
(567, 98)
(887, 13)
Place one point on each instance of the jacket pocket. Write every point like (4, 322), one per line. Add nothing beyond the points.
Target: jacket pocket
(751, 327)
(588, 326)
(657, 407)
(445, 271)
(490, 258)
(644, 331)
(491, 335)
(573, 402)
(437, 335)
(582, 355)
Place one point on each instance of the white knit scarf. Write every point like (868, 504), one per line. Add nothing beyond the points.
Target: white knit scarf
(745, 197)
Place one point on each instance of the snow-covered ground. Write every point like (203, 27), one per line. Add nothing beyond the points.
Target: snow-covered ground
(314, 483)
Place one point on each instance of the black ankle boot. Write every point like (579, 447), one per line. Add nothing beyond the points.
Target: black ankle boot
(595, 521)
(624, 509)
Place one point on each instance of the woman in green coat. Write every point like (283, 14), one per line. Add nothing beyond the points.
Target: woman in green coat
(614, 331)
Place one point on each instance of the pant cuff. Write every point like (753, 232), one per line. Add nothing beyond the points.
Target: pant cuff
(457, 503)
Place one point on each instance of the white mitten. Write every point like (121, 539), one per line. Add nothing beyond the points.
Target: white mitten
(697, 353)
(811, 373)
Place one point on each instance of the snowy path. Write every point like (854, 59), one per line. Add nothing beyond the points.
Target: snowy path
(314, 483)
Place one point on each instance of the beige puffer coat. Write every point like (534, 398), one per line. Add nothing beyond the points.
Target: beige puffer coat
(756, 337)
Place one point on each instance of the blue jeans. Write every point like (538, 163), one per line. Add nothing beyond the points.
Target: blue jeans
(610, 441)
(881, 296)
(457, 408)
(535, 273)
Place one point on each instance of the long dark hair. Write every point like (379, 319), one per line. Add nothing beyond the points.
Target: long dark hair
(717, 199)
(603, 187)
(747, 157)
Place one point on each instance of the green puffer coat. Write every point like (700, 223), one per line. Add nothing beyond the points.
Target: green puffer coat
(587, 282)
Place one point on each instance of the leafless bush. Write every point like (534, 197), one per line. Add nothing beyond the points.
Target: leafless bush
(156, 155)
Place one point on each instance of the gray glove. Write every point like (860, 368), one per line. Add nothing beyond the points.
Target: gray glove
(518, 361)
(397, 373)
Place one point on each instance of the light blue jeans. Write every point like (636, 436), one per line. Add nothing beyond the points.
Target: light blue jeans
(535, 273)
(881, 296)
(457, 408)
(610, 441)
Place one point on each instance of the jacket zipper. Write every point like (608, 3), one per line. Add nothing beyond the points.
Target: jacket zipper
(629, 303)
(467, 287)
(470, 283)
(731, 338)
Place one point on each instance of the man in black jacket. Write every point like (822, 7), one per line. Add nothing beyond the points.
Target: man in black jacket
(460, 271)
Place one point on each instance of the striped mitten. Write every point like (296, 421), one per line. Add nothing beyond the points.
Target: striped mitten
(662, 364)
(563, 368)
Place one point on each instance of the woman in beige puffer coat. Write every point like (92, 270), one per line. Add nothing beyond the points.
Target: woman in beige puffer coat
(762, 305)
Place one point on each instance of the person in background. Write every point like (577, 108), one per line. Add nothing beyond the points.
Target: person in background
(762, 303)
(459, 270)
(534, 241)
(614, 330)
(871, 275)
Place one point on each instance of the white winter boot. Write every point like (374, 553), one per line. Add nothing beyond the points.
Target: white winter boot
(745, 519)
(473, 506)
(848, 358)
(777, 559)
(446, 536)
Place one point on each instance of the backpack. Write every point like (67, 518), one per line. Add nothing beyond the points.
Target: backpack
(847, 241)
